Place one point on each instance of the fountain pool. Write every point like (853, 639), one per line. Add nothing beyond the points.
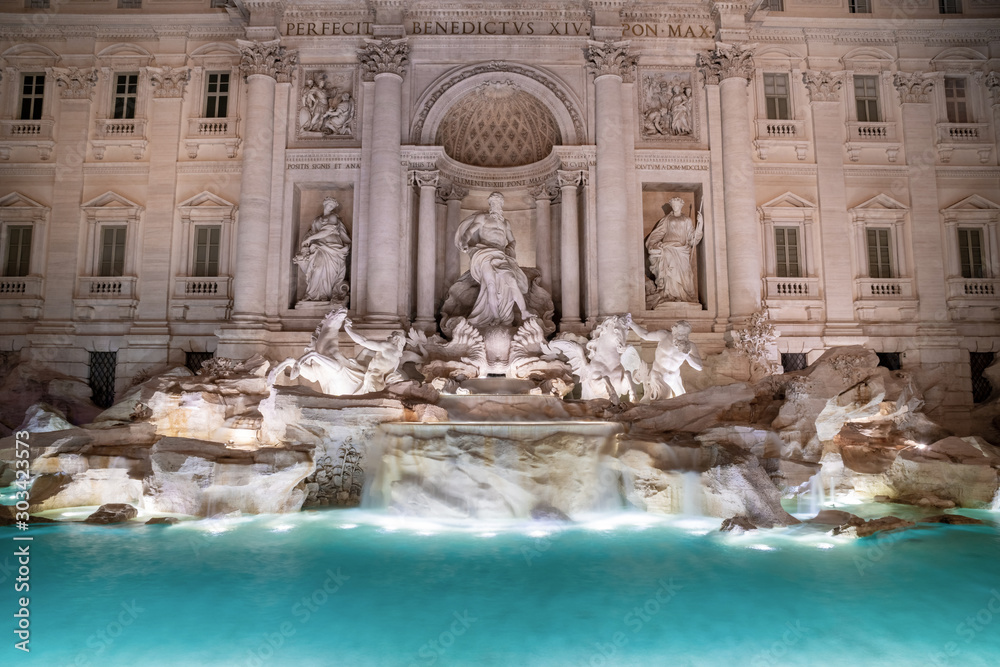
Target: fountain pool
(353, 587)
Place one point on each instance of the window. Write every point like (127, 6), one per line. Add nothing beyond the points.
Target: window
(981, 387)
(859, 6)
(102, 378)
(890, 360)
(950, 6)
(954, 99)
(18, 259)
(879, 257)
(129, 4)
(866, 98)
(970, 251)
(786, 250)
(112, 260)
(38, 4)
(219, 3)
(793, 361)
(776, 5)
(206, 250)
(776, 96)
(217, 95)
(194, 360)
(32, 96)
(126, 91)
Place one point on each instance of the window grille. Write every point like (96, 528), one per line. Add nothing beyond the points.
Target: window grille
(981, 387)
(194, 360)
(890, 360)
(793, 361)
(102, 378)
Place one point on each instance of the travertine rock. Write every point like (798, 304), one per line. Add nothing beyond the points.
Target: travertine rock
(112, 513)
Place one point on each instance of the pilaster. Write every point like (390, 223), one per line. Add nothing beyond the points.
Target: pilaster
(426, 182)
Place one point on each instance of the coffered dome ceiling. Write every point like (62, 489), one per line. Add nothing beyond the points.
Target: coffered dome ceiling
(498, 125)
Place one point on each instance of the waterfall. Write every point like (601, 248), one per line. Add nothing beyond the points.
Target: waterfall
(833, 491)
(691, 504)
(995, 506)
(815, 493)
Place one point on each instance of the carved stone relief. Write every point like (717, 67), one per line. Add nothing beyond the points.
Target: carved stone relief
(666, 104)
(327, 106)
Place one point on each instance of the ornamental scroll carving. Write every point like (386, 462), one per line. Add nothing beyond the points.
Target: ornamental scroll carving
(823, 86)
(169, 82)
(913, 87)
(993, 85)
(267, 58)
(327, 105)
(449, 191)
(610, 58)
(727, 61)
(75, 83)
(667, 105)
(383, 56)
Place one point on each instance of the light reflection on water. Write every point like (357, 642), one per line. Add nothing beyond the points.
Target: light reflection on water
(360, 588)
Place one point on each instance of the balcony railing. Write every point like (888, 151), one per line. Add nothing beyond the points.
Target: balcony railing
(792, 288)
(780, 129)
(131, 128)
(24, 287)
(962, 132)
(100, 287)
(207, 131)
(857, 131)
(885, 288)
(27, 130)
(202, 287)
(973, 288)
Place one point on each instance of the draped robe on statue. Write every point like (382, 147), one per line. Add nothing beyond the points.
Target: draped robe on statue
(492, 264)
(670, 245)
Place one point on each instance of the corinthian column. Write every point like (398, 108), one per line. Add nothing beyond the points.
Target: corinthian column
(569, 229)
(384, 63)
(452, 194)
(543, 195)
(993, 86)
(261, 65)
(426, 247)
(610, 63)
(730, 67)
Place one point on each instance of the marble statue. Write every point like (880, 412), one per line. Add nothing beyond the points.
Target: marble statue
(487, 238)
(670, 247)
(322, 256)
(325, 108)
(673, 349)
(375, 368)
(336, 119)
(605, 366)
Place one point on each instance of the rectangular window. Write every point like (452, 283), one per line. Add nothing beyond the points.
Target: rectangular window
(950, 6)
(793, 361)
(859, 6)
(206, 250)
(955, 100)
(112, 251)
(32, 96)
(786, 248)
(217, 95)
(219, 3)
(891, 360)
(126, 92)
(866, 98)
(18, 259)
(38, 4)
(776, 5)
(776, 96)
(102, 378)
(970, 250)
(129, 4)
(879, 256)
(982, 389)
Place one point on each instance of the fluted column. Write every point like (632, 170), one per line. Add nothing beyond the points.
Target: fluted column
(827, 115)
(569, 229)
(543, 195)
(262, 63)
(730, 67)
(384, 63)
(992, 82)
(453, 195)
(427, 182)
(610, 63)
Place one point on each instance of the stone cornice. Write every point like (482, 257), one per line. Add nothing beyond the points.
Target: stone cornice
(385, 56)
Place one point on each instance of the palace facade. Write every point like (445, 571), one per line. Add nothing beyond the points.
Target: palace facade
(164, 163)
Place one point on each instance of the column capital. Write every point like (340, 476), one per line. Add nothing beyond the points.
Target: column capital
(570, 179)
(727, 61)
(992, 82)
(75, 83)
(449, 191)
(612, 58)
(548, 190)
(384, 56)
(169, 82)
(267, 58)
(823, 86)
(424, 179)
(913, 87)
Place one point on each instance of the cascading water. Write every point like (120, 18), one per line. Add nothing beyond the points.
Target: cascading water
(995, 506)
(816, 499)
(693, 492)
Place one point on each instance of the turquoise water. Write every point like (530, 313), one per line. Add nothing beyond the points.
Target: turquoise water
(355, 588)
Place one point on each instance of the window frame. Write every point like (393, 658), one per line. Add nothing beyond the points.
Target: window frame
(965, 116)
(983, 265)
(786, 98)
(201, 267)
(859, 6)
(125, 97)
(209, 96)
(784, 231)
(876, 80)
(955, 7)
(23, 263)
(38, 98)
(890, 258)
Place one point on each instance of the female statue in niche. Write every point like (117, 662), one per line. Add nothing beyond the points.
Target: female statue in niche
(322, 256)
(670, 246)
(488, 240)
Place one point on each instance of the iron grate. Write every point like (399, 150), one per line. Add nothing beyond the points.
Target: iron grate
(102, 378)
(982, 389)
(793, 361)
(891, 360)
(194, 360)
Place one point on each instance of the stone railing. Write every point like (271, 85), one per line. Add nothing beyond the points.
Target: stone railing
(857, 131)
(130, 128)
(792, 288)
(101, 287)
(962, 132)
(26, 287)
(973, 288)
(32, 130)
(885, 288)
(208, 131)
(780, 129)
(202, 287)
